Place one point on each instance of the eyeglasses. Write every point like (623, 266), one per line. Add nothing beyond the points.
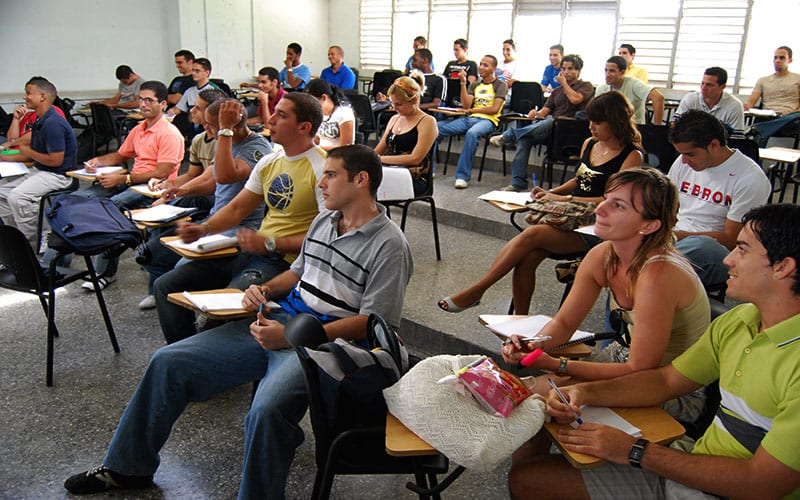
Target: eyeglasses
(147, 100)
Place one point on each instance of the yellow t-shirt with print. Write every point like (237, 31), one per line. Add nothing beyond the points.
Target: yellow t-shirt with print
(485, 94)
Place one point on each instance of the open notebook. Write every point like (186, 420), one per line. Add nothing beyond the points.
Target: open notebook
(530, 326)
(206, 243)
(607, 416)
(226, 301)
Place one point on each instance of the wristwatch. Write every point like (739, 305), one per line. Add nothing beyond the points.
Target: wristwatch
(225, 132)
(270, 244)
(637, 452)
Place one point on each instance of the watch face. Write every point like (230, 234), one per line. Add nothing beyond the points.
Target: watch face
(636, 453)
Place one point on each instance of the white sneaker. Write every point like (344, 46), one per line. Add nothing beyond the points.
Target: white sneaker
(102, 281)
(460, 184)
(148, 302)
(497, 141)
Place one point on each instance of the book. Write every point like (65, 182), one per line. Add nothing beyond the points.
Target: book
(12, 168)
(206, 243)
(99, 170)
(607, 416)
(162, 213)
(530, 327)
(225, 301)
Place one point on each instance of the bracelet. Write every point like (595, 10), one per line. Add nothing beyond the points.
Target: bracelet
(208, 228)
(128, 180)
(569, 197)
(562, 366)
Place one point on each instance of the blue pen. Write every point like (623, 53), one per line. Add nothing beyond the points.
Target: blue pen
(533, 176)
(260, 311)
(564, 400)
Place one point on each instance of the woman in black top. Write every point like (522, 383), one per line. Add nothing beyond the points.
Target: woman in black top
(615, 145)
(410, 133)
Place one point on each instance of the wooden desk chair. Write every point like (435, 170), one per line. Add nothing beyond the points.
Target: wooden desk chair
(20, 271)
(426, 197)
(351, 451)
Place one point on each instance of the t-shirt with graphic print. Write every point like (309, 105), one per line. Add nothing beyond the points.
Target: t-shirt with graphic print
(289, 187)
(328, 131)
(485, 95)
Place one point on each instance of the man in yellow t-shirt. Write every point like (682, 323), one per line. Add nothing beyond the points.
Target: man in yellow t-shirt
(286, 181)
(628, 52)
(482, 103)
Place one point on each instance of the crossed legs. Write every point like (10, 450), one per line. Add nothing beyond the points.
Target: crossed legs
(522, 254)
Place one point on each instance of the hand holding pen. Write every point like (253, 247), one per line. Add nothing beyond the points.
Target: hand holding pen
(559, 412)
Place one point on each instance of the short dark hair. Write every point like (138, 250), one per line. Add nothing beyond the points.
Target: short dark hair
(575, 59)
(510, 41)
(421, 39)
(357, 158)
(628, 46)
(787, 49)
(558, 47)
(620, 61)
(491, 58)
(186, 54)
(123, 72)
(720, 73)
(43, 84)
(205, 63)
(697, 128)
(213, 110)
(296, 48)
(270, 73)
(775, 226)
(425, 54)
(212, 95)
(306, 109)
(462, 42)
(156, 87)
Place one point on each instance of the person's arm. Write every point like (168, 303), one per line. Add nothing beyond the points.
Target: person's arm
(726, 237)
(427, 131)
(263, 107)
(291, 79)
(227, 217)
(754, 97)
(496, 106)
(174, 98)
(472, 72)
(573, 95)
(382, 146)
(658, 106)
(162, 171)
(465, 96)
(132, 104)
(201, 185)
(13, 129)
(112, 102)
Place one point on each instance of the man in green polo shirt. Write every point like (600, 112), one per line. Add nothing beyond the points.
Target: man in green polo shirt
(752, 449)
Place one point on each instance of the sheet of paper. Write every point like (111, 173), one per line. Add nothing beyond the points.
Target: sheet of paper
(586, 230)
(529, 327)
(761, 112)
(143, 189)
(507, 197)
(12, 168)
(607, 416)
(160, 213)
(220, 301)
(206, 243)
(396, 184)
(100, 170)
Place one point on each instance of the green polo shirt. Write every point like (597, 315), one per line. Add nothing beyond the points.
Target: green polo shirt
(759, 376)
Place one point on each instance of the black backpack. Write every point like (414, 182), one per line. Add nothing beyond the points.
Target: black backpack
(352, 378)
(89, 225)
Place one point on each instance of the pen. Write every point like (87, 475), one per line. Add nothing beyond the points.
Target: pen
(564, 400)
(533, 176)
(260, 311)
(529, 339)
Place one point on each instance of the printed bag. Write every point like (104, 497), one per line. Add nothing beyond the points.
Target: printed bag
(564, 215)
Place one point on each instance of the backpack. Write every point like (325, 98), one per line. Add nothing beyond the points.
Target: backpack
(89, 225)
(352, 378)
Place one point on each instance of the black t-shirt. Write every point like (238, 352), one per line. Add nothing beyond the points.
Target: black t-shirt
(453, 68)
(180, 84)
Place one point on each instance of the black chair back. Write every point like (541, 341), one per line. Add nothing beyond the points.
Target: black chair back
(526, 96)
(219, 82)
(748, 147)
(382, 80)
(105, 126)
(365, 119)
(565, 144)
(453, 93)
(355, 82)
(655, 140)
(19, 268)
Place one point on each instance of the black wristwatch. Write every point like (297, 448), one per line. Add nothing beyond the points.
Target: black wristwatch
(637, 452)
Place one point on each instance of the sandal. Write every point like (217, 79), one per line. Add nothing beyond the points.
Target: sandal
(447, 305)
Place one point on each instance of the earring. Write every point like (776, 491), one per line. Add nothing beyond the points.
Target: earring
(775, 276)
(641, 232)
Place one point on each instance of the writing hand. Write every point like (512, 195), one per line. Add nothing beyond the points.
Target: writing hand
(537, 193)
(598, 440)
(254, 296)
(190, 232)
(269, 333)
(110, 180)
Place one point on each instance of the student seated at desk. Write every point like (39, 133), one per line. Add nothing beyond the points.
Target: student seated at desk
(653, 288)
(410, 133)
(750, 451)
(127, 91)
(338, 126)
(615, 145)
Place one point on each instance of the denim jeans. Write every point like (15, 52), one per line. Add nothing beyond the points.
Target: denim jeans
(473, 129)
(239, 272)
(200, 367)
(706, 254)
(526, 137)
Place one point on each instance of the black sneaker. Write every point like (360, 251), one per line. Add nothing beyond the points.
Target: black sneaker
(102, 478)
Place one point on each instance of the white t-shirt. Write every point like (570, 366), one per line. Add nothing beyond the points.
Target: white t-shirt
(328, 132)
(727, 191)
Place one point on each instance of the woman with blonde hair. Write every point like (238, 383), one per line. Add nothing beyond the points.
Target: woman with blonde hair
(615, 145)
(652, 288)
(410, 133)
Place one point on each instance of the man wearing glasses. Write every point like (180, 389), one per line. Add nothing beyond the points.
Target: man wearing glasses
(155, 146)
(201, 72)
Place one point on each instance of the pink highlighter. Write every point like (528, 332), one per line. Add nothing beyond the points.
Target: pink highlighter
(531, 357)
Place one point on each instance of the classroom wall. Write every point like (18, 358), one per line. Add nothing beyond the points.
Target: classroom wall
(78, 43)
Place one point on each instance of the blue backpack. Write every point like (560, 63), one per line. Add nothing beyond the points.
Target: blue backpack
(90, 225)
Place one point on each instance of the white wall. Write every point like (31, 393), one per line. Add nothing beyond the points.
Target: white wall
(77, 44)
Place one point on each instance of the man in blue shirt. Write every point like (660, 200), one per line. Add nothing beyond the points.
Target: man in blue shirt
(550, 77)
(295, 74)
(338, 73)
(52, 151)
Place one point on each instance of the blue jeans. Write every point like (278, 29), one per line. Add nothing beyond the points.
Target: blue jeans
(526, 137)
(200, 367)
(105, 264)
(706, 254)
(473, 129)
(239, 272)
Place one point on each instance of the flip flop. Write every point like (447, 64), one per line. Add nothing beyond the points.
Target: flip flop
(447, 305)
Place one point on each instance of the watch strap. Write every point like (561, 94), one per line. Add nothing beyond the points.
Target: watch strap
(637, 453)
